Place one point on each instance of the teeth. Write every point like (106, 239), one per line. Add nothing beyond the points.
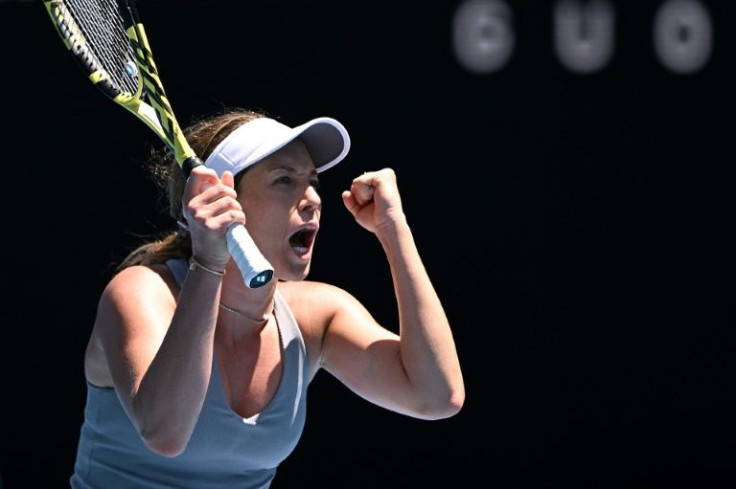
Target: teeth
(302, 240)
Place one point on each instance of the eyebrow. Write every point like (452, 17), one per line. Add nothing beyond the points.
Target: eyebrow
(291, 169)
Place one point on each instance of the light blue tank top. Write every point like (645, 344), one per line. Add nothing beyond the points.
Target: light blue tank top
(225, 450)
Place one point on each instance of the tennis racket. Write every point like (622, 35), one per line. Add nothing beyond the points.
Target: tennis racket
(108, 40)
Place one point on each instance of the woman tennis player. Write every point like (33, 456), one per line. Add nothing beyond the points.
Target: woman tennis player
(195, 380)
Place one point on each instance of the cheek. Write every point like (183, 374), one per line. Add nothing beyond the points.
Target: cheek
(264, 216)
(252, 201)
(256, 211)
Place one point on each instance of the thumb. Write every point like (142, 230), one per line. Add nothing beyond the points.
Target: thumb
(228, 178)
(349, 201)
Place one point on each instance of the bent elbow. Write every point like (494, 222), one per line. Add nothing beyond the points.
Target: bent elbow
(168, 450)
(451, 406)
(455, 403)
(167, 445)
(445, 407)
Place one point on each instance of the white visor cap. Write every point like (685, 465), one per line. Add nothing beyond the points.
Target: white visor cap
(326, 140)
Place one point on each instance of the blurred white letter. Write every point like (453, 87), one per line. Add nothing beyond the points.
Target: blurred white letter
(683, 35)
(584, 36)
(482, 35)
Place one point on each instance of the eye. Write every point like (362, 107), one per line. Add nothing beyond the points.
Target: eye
(285, 180)
(314, 183)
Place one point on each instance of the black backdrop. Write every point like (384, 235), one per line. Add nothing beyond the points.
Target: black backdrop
(578, 228)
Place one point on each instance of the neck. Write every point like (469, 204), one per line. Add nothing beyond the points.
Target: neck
(236, 312)
(235, 325)
(242, 305)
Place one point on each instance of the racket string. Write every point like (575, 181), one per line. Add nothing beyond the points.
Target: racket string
(102, 25)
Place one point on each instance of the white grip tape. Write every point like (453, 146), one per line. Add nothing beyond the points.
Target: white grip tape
(254, 267)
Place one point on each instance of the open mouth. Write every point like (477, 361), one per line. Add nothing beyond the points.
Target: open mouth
(301, 241)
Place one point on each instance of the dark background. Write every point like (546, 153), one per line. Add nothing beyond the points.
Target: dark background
(578, 229)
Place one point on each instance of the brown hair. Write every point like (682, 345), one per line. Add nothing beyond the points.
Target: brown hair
(203, 136)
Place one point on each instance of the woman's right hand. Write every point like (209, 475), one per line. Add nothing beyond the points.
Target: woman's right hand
(210, 207)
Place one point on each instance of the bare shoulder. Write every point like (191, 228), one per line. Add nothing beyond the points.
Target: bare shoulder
(318, 297)
(141, 280)
(130, 291)
(135, 293)
(319, 306)
(315, 306)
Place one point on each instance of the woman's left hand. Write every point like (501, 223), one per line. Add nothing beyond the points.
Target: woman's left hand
(374, 200)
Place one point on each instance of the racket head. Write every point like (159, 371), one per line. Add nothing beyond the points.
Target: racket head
(109, 43)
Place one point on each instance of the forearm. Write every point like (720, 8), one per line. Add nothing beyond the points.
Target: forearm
(427, 348)
(170, 395)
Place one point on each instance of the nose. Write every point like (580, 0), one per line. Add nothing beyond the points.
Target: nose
(311, 200)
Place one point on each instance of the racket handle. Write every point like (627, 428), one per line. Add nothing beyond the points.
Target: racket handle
(254, 267)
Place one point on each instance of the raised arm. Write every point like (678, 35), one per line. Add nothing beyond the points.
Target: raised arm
(417, 372)
(158, 347)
